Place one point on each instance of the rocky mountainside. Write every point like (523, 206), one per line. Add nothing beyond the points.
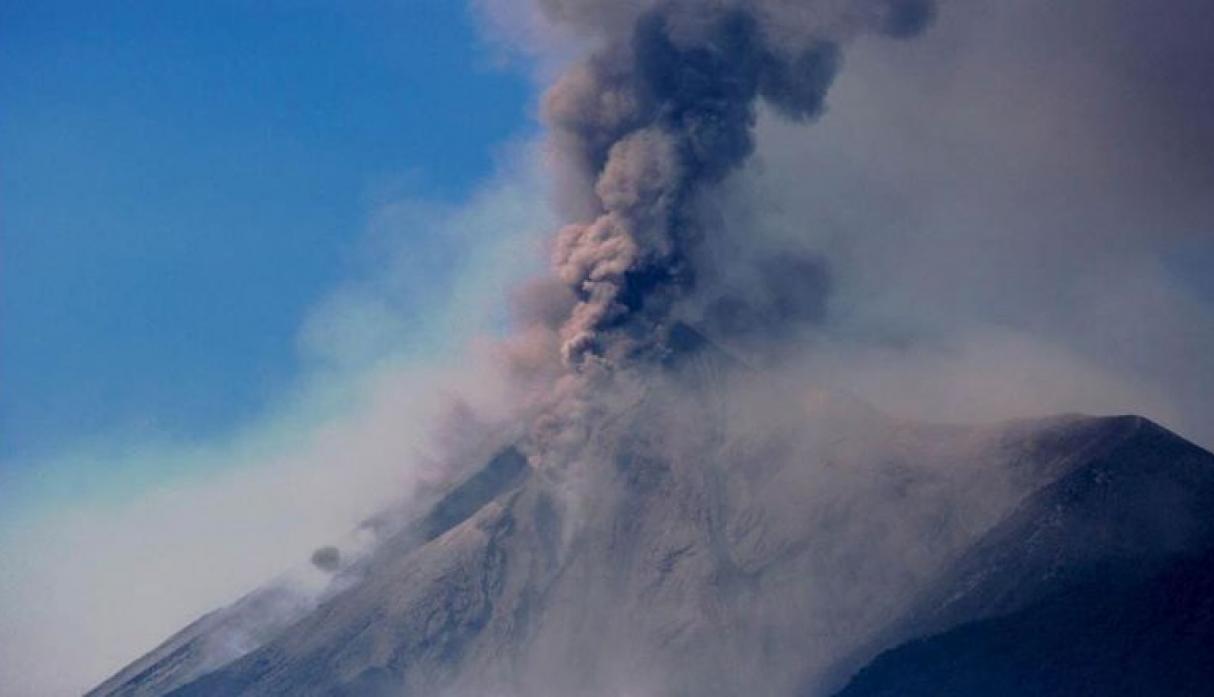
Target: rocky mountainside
(718, 536)
(1102, 583)
(226, 634)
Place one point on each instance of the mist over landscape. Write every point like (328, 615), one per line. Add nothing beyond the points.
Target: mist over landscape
(777, 347)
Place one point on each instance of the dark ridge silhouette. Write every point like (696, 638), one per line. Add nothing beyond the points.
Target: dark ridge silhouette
(504, 470)
(1099, 637)
(1092, 586)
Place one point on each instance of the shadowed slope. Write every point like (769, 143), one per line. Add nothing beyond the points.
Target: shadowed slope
(1099, 584)
(1153, 638)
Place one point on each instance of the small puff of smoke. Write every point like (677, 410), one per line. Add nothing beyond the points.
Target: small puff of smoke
(327, 559)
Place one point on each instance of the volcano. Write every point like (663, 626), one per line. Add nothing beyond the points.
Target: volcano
(731, 537)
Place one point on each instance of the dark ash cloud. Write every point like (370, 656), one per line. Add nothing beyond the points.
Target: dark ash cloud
(662, 112)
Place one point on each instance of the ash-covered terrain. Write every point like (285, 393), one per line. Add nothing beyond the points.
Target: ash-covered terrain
(706, 555)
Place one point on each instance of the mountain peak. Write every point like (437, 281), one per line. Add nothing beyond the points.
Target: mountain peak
(714, 565)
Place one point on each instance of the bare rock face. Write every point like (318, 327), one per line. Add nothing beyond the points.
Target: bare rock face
(712, 539)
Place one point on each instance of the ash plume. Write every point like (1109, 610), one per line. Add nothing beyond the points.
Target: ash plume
(664, 109)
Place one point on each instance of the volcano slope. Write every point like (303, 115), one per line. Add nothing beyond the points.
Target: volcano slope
(721, 535)
(1101, 583)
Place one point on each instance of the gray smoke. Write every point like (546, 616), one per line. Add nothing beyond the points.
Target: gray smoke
(327, 558)
(655, 117)
(775, 298)
(645, 127)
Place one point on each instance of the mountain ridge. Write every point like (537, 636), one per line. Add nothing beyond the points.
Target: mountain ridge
(1105, 546)
(680, 545)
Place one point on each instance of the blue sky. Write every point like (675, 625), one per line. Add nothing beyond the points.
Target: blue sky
(182, 182)
(238, 241)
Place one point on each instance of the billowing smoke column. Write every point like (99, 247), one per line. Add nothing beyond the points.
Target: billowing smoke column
(664, 109)
(661, 111)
